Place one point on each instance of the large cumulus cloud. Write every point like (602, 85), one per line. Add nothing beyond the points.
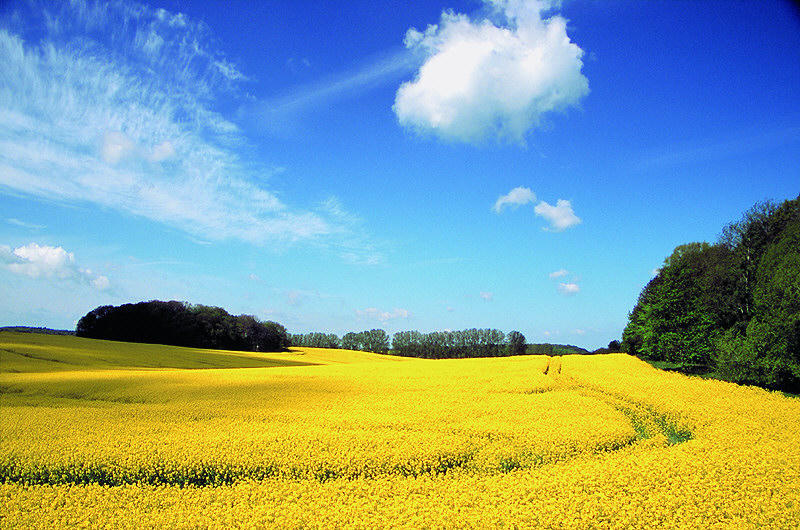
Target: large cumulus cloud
(483, 79)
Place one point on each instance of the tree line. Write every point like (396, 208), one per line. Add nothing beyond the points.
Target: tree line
(182, 324)
(458, 344)
(200, 326)
(733, 306)
(434, 345)
(374, 340)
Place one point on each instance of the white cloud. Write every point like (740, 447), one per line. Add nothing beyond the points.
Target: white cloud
(482, 80)
(115, 105)
(561, 216)
(101, 283)
(514, 198)
(43, 261)
(568, 289)
(373, 313)
(487, 296)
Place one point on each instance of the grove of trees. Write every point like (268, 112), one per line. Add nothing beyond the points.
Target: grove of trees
(733, 306)
(182, 324)
(434, 345)
(315, 340)
(457, 344)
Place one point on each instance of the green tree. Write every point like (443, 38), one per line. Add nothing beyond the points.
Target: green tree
(515, 343)
(672, 321)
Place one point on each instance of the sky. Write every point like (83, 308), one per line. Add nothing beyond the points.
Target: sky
(416, 165)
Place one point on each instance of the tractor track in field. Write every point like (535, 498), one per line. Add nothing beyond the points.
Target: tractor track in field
(645, 420)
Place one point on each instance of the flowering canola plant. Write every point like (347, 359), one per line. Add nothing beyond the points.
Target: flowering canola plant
(336, 439)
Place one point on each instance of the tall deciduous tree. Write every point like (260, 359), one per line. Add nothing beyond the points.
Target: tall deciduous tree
(515, 343)
(734, 305)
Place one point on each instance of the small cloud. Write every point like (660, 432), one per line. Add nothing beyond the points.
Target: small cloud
(43, 261)
(373, 313)
(487, 296)
(101, 283)
(568, 289)
(254, 278)
(561, 216)
(514, 198)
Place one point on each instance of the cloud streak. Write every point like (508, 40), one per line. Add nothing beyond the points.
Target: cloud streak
(483, 79)
(280, 114)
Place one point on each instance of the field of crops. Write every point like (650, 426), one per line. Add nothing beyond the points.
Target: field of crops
(110, 435)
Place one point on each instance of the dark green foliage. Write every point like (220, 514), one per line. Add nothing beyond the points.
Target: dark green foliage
(515, 343)
(734, 305)
(554, 349)
(613, 347)
(182, 324)
(315, 340)
(41, 331)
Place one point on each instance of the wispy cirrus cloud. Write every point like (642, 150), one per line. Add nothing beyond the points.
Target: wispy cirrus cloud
(491, 78)
(712, 149)
(116, 104)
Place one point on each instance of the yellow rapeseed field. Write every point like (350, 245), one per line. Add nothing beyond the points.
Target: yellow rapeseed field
(97, 434)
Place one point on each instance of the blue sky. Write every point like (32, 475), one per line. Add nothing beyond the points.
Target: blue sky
(418, 165)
